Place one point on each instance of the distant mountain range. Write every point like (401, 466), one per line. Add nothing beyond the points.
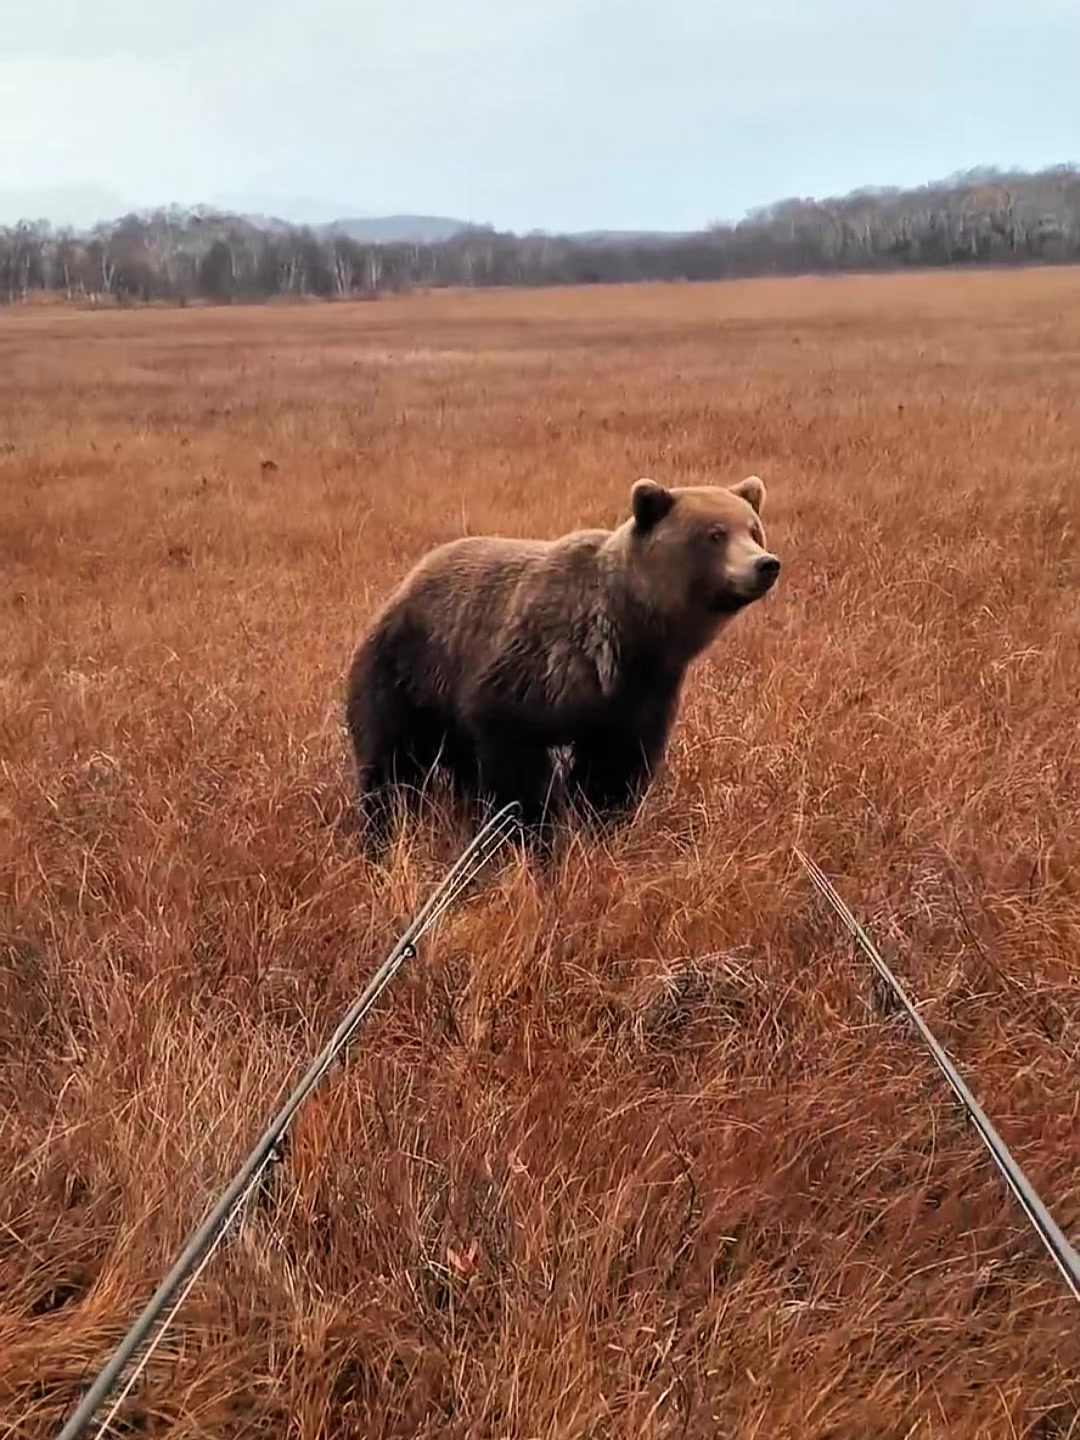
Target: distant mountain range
(83, 207)
(368, 229)
(431, 229)
(397, 229)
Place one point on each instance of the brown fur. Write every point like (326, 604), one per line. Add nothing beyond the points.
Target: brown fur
(492, 651)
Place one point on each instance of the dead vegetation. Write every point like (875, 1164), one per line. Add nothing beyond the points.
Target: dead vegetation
(628, 1151)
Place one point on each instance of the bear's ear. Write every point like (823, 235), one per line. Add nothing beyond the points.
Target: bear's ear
(752, 490)
(650, 502)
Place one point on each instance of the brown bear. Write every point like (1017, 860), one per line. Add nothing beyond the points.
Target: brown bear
(494, 651)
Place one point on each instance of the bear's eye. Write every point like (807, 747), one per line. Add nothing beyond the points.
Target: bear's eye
(718, 534)
(755, 534)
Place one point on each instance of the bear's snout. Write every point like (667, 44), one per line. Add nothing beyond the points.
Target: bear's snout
(766, 569)
(747, 585)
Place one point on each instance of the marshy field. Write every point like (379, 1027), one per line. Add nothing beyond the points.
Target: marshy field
(630, 1149)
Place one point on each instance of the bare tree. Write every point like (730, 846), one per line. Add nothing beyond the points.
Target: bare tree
(983, 216)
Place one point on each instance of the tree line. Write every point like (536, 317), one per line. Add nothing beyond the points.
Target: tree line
(177, 256)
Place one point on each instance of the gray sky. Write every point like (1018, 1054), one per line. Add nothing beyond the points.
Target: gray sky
(556, 114)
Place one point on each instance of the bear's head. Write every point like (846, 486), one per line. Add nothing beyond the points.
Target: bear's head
(700, 550)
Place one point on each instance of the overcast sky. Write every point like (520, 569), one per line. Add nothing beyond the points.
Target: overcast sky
(552, 114)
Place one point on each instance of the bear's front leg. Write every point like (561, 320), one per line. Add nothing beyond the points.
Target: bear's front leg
(513, 767)
(612, 769)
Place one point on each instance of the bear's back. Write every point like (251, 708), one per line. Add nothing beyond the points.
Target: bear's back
(489, 603)
(475, 564)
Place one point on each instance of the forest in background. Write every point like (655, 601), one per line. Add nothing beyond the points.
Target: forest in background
(176, 255)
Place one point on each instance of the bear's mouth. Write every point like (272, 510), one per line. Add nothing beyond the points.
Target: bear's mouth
(731, 600)
(727, 602)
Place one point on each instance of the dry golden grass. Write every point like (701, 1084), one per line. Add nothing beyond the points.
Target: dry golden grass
(705, 1188)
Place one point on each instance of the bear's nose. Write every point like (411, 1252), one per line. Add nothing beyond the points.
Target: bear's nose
(767, 567)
